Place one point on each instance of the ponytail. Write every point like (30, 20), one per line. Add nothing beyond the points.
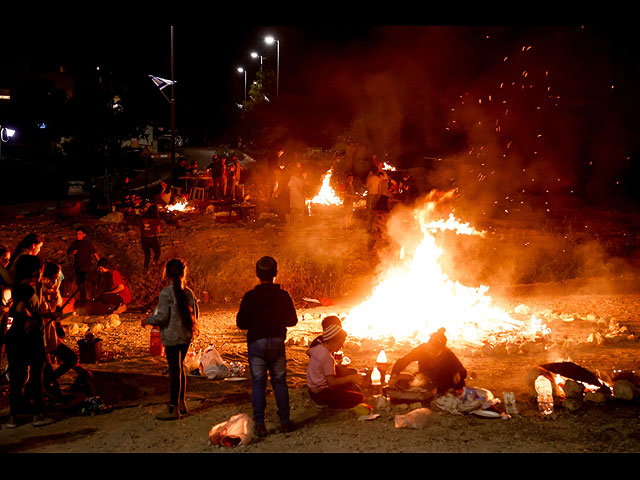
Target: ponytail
(176, 270)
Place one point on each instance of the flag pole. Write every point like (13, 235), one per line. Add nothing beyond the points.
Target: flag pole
(173, 106)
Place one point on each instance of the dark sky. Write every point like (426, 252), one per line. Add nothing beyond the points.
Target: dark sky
(555, 97)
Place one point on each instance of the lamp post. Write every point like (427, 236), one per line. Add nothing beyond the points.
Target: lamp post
(242, 70)
(256, 55)
(5, 135)
(269, 40)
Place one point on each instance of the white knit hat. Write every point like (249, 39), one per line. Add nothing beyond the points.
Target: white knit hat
(330, 332)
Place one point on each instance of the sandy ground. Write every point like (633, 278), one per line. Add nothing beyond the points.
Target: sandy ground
(134, 385)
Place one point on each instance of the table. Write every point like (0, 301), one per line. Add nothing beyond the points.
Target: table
(194, 180)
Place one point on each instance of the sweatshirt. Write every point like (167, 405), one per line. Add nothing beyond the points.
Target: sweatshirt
(167, 317)
(266, 312)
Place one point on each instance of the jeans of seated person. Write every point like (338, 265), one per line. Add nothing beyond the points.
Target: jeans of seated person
(267, 356)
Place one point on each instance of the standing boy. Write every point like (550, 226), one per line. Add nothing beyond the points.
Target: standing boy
(266, 312)
(83, 253)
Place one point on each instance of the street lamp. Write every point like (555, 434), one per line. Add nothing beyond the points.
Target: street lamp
(269, 40)
(242, 70)
(5, 135)
(256, 55)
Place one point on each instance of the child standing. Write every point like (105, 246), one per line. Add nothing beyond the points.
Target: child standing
(176, 315)
(266, 312)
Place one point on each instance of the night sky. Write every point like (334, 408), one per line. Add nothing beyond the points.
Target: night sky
(556, 101)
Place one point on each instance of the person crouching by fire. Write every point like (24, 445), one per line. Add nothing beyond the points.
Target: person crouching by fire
(325, 386)
(438, 366)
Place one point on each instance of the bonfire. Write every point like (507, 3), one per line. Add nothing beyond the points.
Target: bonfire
(326, 195)
(414, 297)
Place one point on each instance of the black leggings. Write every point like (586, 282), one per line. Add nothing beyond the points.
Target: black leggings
(26, 365)
(177, 377)
(149, 244)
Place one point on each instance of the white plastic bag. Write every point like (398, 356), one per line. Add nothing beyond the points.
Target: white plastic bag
(417, 419)
(192, 361)
(238, 430)
(211, 364)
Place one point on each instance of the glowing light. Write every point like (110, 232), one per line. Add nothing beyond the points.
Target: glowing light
(180, 207)
(388, 167)
(326, 195)
(414, 296)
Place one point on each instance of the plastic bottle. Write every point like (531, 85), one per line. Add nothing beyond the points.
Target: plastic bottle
(545, 395)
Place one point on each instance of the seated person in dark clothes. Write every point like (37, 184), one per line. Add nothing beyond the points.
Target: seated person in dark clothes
(113, 293)
(50, 303)
(325, 386)
(341, 370)
(438, 365)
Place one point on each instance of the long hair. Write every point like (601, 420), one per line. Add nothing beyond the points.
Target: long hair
(28, 241)
(176, 270)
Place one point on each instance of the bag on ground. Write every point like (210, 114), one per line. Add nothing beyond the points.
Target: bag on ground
(238, 430)
(211, 364)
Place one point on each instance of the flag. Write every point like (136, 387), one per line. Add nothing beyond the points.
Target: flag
(161, 82)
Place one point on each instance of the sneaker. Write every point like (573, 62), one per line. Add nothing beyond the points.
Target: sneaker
(12, 422)
(287, 427)
(41, 420)
(171, 414)
(261, 431)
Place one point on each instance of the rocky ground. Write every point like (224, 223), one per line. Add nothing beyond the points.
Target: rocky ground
(591, 326)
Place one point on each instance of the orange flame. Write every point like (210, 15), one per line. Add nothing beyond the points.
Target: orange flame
(326, 195)
(182, 206)
(415, 297)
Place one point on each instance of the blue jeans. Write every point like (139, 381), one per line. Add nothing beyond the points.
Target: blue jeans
(268, 355)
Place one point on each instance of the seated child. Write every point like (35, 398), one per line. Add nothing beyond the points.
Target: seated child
(341, 370)
(325, 387)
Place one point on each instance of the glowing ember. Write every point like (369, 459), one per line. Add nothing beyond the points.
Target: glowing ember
(326, 195)
(415, 297)
(180, 207)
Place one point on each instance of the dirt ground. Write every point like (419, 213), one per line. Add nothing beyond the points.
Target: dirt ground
(134, 384)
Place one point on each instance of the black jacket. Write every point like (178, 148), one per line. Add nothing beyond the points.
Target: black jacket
(440, 370)
(266, 312)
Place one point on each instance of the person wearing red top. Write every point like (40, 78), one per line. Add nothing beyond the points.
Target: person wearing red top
(113, 293)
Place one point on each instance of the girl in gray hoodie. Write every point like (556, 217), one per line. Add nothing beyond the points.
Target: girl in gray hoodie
(176, 315)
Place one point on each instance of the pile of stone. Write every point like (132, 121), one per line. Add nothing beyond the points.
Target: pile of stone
(79, 325)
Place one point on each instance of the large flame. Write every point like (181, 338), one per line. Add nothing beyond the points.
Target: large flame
(326, 195)
(415, 297)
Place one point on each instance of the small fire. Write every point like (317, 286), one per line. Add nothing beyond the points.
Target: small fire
(382, 357)
(182, 206)
(415, 297)
(386, 166)
(326, 195)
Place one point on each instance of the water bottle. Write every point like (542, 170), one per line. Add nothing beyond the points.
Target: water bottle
(545, 395)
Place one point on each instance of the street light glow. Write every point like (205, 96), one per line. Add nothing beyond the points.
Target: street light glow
(240, 69)
(269, 40)
(254, 55)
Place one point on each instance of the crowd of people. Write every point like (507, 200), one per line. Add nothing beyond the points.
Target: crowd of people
(36, 297)
(33, 306)
(221, 178)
